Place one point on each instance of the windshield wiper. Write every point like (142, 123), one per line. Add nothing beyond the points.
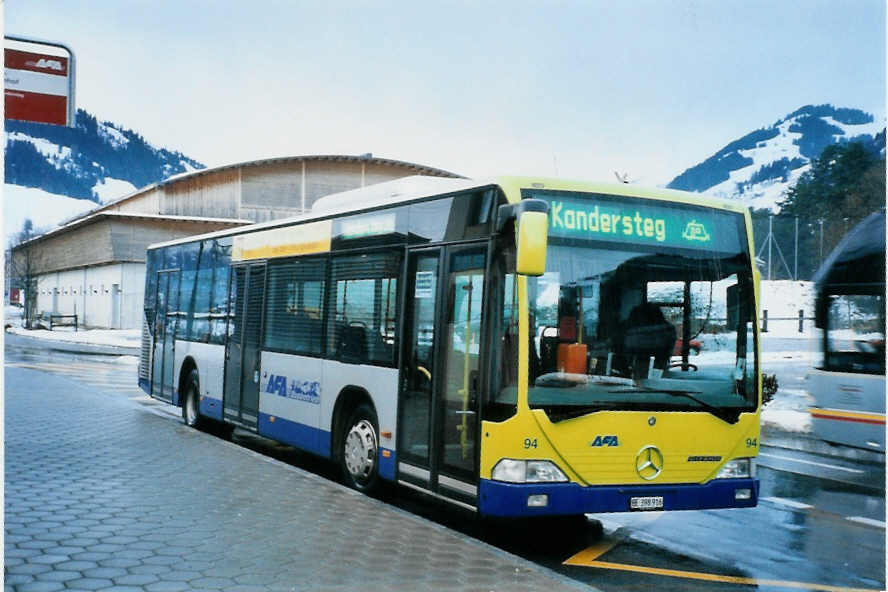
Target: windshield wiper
(726, 414)
(557, 413)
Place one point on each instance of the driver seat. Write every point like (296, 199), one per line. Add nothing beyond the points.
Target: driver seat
(648, 335)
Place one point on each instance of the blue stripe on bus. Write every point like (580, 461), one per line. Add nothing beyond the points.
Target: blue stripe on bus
(387, 465)
(145, 385)
(211, 407)
(510, 499)
(176, 398)
(295, 434)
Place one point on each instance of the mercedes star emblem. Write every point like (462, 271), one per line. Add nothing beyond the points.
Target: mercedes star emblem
(649, 462)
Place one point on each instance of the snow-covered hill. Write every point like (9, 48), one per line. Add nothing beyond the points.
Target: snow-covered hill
(94, 160)
(44, 209)
(759, 167)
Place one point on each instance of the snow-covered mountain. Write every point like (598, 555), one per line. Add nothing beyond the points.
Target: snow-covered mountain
(759, 167)
(94, 160)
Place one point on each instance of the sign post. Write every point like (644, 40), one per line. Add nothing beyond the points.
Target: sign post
(38, 81)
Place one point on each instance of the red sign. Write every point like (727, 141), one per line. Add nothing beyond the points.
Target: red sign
(37, 86)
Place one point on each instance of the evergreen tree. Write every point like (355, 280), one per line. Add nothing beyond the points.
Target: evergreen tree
(842, 187)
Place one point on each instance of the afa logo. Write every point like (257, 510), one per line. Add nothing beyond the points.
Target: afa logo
(604, 441)
(301, 390)
(47, 64)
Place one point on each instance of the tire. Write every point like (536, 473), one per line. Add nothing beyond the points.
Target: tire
(359, 450)
(191, 403)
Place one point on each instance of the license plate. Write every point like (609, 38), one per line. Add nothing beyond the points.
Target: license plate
(646, 503)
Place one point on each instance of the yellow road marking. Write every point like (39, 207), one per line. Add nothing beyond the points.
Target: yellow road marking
(693, 575)
(592, 553)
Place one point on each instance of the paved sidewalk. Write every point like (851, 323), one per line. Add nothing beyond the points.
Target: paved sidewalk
(103, 494)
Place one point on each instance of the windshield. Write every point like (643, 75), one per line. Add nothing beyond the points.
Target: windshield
(636, 325)
(855, 333)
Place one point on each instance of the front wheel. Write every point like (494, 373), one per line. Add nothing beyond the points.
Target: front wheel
(360, 450)
(191, 403)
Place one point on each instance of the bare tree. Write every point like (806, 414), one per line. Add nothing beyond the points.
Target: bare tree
(20, 270)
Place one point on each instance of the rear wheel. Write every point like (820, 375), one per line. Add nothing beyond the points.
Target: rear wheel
(191, 403)
(359, 451)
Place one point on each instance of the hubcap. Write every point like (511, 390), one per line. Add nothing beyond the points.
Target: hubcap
(360, 450)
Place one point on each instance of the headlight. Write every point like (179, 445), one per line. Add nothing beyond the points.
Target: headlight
(739, 468)
(527, 471)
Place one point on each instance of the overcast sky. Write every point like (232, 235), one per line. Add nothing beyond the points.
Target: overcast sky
(578, 89)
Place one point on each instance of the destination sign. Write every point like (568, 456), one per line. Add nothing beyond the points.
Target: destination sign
(610, 218)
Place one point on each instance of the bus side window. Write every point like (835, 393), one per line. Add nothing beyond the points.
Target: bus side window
(294, 306)
(363, 300)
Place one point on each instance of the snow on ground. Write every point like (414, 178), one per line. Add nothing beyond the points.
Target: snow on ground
(788, 411)
(116, 337)
(44, 209)
(12, 315)
(854, 130)
(763, 195)
(110, 189)
(768, 193)
(113, 135)
(52, 151)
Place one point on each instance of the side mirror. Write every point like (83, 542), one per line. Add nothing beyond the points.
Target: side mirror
(531, 218)
(533, 234)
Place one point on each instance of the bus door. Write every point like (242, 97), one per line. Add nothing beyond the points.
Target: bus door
(439, 398)
(242, 354)
(166, 306)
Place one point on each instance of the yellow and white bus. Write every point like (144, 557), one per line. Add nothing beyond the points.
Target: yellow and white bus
(516, 346)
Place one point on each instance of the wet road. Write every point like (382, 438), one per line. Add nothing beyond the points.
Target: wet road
(820, 524)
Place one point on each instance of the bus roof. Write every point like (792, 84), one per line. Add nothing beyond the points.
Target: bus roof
(858, 258)
(418, 187)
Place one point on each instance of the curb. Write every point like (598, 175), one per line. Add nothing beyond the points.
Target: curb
(70, 346)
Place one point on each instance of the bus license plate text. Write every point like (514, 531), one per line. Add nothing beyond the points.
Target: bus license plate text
(646, 503)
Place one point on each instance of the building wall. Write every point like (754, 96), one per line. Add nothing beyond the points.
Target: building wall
(130, 237)
(88, 245)
(91, 292)
(148, 202)
(214, 195)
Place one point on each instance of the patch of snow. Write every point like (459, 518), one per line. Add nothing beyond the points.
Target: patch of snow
(113, 135)
(44, 209)
(53, 152)
(852, 130)
(116, 337)
(784, 298)
(788, 420)
(110, 189)
(767, 194)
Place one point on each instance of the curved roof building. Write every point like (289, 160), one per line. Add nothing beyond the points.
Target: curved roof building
(262, 190)
(94, 265)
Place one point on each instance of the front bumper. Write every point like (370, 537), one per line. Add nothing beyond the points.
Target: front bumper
(510, 499)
